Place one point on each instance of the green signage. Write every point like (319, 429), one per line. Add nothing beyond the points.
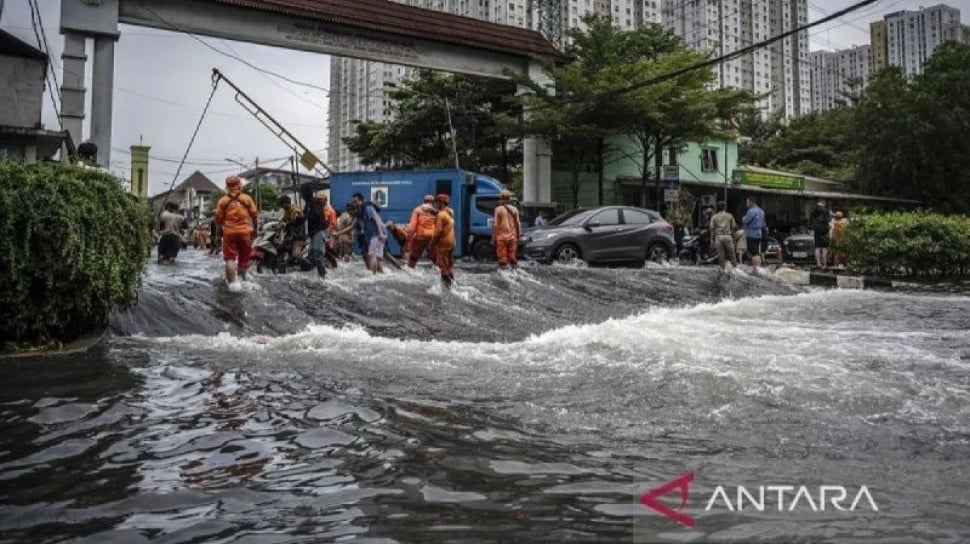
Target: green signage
(772, 181)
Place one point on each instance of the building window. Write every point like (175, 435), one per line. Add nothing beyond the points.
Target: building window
(708, 160)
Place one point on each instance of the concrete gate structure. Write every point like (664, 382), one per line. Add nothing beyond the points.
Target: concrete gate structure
(377, 30)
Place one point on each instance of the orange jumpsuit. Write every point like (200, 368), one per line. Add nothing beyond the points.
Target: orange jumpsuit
(422, 229)
(235, 213)
(505, 233)
(331, 215)
(443, 242)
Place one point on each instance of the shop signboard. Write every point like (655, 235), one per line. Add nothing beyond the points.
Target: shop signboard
(670, 178)
(769, 180)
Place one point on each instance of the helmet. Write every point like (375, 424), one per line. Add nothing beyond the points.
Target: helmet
(443, 198)
(233, 181)
(505, 194)
(428, 199)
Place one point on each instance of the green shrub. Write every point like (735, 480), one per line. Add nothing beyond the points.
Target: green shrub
(73, 246)
(908, 243)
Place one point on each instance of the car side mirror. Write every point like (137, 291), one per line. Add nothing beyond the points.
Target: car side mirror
(590, 225)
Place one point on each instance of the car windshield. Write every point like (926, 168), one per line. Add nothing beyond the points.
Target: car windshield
(572, 217)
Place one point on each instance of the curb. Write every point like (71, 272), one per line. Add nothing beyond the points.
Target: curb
(80, 345)
(838, 281)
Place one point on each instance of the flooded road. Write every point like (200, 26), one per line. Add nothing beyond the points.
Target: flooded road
(536, 407)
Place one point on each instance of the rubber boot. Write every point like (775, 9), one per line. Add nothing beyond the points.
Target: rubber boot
(446, 281)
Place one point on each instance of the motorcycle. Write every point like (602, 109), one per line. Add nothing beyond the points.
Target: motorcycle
(697, 249)
(272, 249)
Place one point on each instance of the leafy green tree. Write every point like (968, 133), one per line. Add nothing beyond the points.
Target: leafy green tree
(591, 101)
(483, 114)
(814, 145)
(912, 137)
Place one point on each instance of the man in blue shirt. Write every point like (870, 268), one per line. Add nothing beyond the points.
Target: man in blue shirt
(754, 224)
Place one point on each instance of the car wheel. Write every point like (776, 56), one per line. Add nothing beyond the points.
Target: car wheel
(567, 253)
(658, 253)
(483, 251)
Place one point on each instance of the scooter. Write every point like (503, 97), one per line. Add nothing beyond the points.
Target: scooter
(697, 249)
(272, 250)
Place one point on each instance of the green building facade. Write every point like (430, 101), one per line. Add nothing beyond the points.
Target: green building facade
(702, 164)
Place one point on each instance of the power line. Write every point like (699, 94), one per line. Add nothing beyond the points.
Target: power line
(49, 70)
(738, 53)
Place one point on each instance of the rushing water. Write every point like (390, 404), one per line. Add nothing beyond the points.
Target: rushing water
(535, 407)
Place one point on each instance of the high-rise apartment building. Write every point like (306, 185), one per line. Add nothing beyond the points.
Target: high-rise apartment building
(359, 89)
(779, 72)
(835, 75)
(907, 39)
(878, 43)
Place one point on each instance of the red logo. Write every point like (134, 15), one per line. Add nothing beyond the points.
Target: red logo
(682, 482)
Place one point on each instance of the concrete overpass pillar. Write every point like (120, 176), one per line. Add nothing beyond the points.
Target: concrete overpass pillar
(537, 154)
(74, 58)
(102, 83)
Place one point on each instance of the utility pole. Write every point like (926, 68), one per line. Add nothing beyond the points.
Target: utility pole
(720, 37)
(726, 181)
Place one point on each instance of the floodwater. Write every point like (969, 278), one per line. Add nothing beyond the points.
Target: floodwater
(536, 407)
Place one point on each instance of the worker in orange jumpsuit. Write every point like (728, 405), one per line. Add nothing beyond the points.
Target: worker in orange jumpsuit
(506, 231)
(330, 214)
(422, 227)
(443, 240)
(236, 213)
(400, 234)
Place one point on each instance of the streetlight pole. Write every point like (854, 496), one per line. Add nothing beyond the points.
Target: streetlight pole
(451, 127)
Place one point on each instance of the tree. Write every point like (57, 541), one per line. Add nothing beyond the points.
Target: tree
(670, 113)
(910, 137)
(591, 99)
(814, 145)
(483, 115)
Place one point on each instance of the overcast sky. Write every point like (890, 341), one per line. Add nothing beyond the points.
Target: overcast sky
(162, 80)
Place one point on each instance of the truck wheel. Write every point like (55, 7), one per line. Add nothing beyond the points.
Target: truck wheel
(483, 250)
(567, 253)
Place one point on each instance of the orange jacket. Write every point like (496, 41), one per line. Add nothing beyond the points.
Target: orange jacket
(423, 220)
(444, 230)
(235, 212)
(505, 225)
(331, 215)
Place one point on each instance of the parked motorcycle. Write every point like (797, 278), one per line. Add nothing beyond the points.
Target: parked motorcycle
(697, 249)
(273, 250)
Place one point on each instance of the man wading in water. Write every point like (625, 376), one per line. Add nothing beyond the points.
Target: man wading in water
(236, 213)
(722, 235)
(171, 241)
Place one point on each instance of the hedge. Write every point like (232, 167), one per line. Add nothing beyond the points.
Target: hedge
(73, 247)
(908, 243)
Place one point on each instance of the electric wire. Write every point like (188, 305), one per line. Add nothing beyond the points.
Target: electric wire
(735, 54)
(178, 172)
